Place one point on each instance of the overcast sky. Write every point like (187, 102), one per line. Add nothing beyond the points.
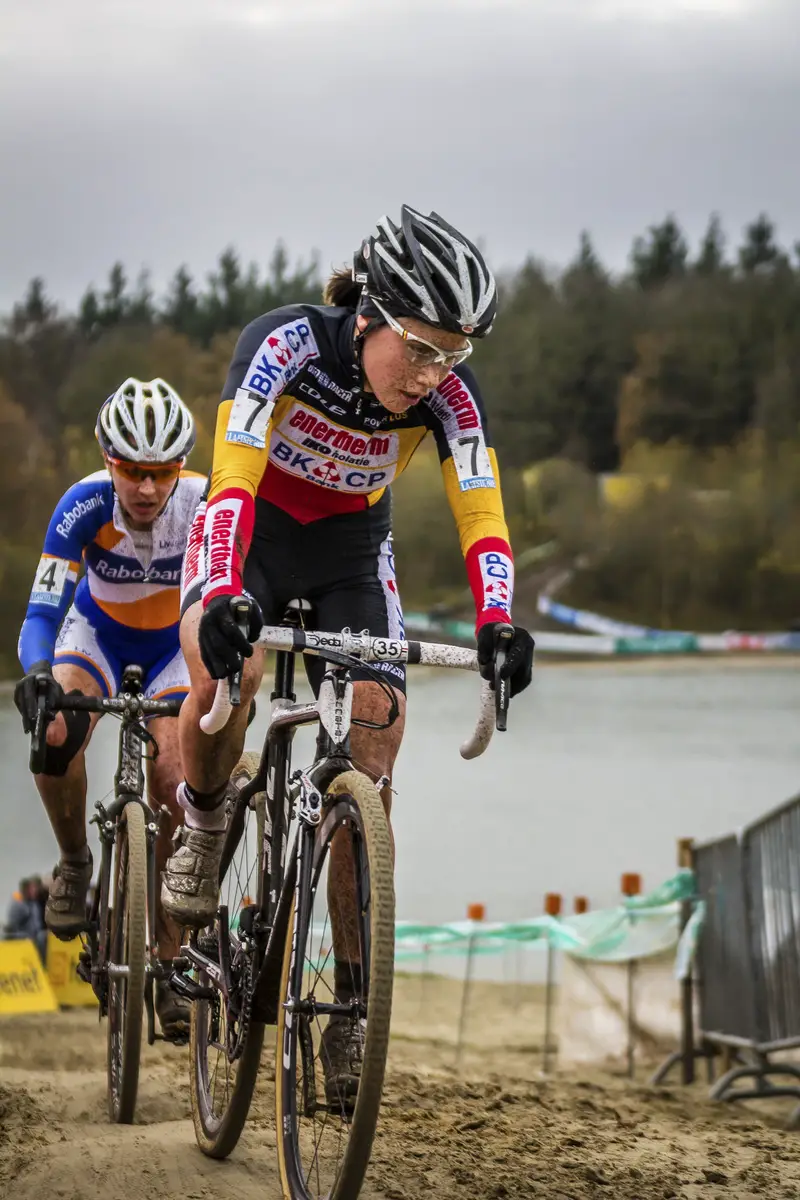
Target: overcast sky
(159, 131)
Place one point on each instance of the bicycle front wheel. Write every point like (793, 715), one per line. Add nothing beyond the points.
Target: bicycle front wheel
(127, 964)
(225, 1043)
(324, 1129)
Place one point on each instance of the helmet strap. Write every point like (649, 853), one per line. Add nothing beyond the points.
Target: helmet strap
(366, 309)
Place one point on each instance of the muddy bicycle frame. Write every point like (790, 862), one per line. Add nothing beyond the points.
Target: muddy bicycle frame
(266, 921)
(132, 707)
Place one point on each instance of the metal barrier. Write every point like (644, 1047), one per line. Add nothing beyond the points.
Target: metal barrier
(725, 981)
(747, 967)
(772, 871)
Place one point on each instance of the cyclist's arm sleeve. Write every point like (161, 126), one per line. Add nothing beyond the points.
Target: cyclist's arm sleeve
(472, 484)
(269, 354)
(54, 581)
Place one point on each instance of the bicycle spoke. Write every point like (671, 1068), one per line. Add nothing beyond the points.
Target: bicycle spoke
(214, 1083)
(310, 959)
(317, 1142)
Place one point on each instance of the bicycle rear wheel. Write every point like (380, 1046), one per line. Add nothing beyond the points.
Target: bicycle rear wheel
(225, 1043)
(324, 1139)
(127, 964)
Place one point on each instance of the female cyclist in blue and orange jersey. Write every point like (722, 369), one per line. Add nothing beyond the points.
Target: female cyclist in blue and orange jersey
(128, 525)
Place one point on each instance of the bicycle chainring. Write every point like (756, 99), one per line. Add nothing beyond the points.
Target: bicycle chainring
(240, 1006)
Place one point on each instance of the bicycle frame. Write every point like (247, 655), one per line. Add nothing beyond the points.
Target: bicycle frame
(268, 918)
(129, 787)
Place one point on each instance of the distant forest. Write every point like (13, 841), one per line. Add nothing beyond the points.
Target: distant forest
(683, 371)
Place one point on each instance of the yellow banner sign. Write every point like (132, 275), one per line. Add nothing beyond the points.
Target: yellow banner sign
(62, 967)
(24, 986)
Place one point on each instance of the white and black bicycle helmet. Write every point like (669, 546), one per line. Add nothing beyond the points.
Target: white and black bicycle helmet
(425, 268)
(145, 422)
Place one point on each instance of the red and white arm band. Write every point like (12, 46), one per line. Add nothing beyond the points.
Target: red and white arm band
(227, 531)
(490, 570)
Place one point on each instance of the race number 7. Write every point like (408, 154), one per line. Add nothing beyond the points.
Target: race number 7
(473, 441)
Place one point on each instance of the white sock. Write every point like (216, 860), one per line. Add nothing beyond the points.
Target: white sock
(211, 820)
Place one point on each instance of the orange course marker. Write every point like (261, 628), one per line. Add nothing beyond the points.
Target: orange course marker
(552, 904)
(631, 884)
(476, 912)
(581, 905)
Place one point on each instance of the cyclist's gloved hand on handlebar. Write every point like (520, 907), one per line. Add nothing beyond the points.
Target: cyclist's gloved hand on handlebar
(222, 642)
(518, 666)
(38, 681)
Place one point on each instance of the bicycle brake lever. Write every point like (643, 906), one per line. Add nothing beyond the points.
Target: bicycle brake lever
(502, 689)
(241, 613)
(39, 738)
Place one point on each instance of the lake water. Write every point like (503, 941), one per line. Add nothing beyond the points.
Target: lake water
(602, 769)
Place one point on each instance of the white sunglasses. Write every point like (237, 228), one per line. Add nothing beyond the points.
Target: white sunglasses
(420, 352)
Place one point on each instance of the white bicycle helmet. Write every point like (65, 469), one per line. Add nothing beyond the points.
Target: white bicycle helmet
(425, 268)
(145, 422)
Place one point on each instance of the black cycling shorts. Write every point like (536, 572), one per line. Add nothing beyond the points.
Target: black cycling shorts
(342, 564)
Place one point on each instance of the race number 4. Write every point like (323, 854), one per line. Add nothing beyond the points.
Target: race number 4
(51, 579)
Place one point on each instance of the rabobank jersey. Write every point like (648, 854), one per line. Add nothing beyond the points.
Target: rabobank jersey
(131, 580)
(291, 430)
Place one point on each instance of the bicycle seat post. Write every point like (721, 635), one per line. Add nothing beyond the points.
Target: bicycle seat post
(132, 679)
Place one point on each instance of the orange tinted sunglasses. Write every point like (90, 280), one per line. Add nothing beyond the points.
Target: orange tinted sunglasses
(138, 472)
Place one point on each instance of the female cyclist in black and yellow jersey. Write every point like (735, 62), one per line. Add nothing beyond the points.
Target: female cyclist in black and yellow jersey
(322, 409)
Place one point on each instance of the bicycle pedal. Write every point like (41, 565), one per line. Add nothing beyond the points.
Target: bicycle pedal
(181, 985)
(83, 967)
(247, 917)
(177, 1039)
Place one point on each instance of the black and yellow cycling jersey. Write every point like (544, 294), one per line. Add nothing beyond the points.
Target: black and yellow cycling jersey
(292, 431)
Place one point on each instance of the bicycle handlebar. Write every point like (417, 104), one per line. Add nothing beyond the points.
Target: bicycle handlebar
(140, 706)
(493, 702)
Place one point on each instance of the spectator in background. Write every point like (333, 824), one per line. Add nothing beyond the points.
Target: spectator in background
(24, 918)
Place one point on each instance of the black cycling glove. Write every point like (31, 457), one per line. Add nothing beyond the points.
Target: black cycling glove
(518, 667)
(223, 645)
(38, 681)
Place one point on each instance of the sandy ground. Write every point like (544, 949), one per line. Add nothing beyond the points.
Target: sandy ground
(494, 1128)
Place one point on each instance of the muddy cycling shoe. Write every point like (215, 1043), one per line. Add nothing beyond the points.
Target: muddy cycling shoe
(190, 883)
(65, 913)
(341, 1053)
(174, 1013)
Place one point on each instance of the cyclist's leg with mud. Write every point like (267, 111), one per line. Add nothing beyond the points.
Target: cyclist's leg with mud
(374, 752)
(64, 795)
(190, 880)
(62, 787)
(365, 596)
(164, 774)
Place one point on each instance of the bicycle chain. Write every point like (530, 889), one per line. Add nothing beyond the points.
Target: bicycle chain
(243, 1022)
